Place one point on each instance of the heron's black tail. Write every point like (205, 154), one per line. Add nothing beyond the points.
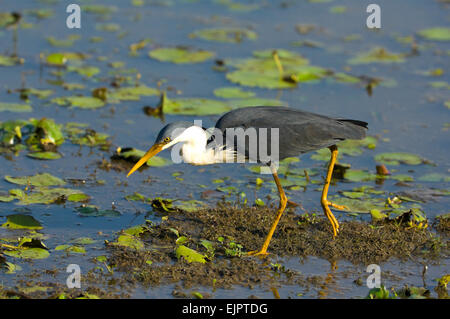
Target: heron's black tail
(354, 129)
(356, 122)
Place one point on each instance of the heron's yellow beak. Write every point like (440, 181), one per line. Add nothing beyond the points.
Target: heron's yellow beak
(155, 149)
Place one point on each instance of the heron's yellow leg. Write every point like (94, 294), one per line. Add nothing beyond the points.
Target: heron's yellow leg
(283, 202)
(324, 201)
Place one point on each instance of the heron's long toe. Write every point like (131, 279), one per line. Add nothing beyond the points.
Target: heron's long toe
(331, 218)
(340, 207)
(260, 253)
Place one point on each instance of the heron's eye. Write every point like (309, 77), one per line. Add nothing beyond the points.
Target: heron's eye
(167, 139)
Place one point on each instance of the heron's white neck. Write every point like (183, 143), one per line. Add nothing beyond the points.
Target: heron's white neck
(194, 150)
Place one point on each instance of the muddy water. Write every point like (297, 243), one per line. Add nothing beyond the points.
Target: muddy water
(407, 116)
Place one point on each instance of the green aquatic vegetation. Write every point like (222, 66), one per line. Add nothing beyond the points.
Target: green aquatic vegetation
(44, 155)
(41, 94)
(14, 107)
(9, 60)
(37, 180)
(40, 13)
(84, 70)
(84, 102)
(42, 195)
(237, 6)
(45, 132)
(190, 255)
(71, 249)
(6, 19)
(94, 211)
(131, 93)
(107, 27)
(21, 221)
(98, 9)
(436, 34)
(434, 177)
(181, 55)
(273, 69)
(129, 241)
(68, 42)
(377, 55)
(80, 134)
(233, 93)
(194, 106)
(29, 253)
(133, 154)
(399, 158)
(338, 9)
(230, 35)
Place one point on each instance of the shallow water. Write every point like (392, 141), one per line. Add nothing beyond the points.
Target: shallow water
(408, 117)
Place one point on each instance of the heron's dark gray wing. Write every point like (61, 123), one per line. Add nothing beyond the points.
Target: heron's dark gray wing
(299, 131)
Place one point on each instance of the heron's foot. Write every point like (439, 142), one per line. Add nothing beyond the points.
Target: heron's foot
(260, 253)
(330, 216)
(340, 207)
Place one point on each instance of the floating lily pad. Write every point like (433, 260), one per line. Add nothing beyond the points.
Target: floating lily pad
(233, 93)
(68, 42)
(399, 158)
(93, 211)
(127, 240)
(8, 61)
(14, 107)
(36, 180)
(356, 175)
(30, 253)
(84, 102)
(71, 249)
(359, 205)
(189, 205)
(377, 55)
(436, 34)
(189, 254)
(20, 221)
(85, 70)
(194, 106)
(134, 155)
(434, 177)
(230, 35)
(42, 195)
(45, 155)
(132, 93)
(181, 55)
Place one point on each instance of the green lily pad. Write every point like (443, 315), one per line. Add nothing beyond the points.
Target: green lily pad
(434, 177)
(14, 107)
(132, 93)
(45, 155)
(84, 102)
(181, 55)
(356, 175)
(20, 221)
(359, 205)
(233, 93)
(436, 34)
(71, 249)
(134, 155)
(377, 55)
(36, 180)
(230, 35)
(194, 106)
(399, 158)
(189, 254)
(98, 9)
(129, 241)
(84, 70)
(189, 205)
(93, 211)
(8, 60)
(42, 195)
(68, 42)
(30, 253)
